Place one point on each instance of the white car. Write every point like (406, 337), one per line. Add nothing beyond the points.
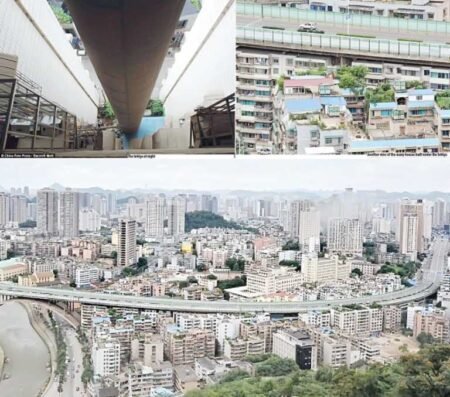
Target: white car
(308, 25)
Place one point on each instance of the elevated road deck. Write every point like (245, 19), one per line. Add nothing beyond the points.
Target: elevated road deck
(428, 285)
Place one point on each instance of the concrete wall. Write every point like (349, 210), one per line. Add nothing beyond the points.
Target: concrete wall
(204, 69)
(29, 30)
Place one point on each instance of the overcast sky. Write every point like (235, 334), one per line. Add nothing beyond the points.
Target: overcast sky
(261, 173)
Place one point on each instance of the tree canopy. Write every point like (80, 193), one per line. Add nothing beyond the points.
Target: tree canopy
(202, 219)
(426, 373)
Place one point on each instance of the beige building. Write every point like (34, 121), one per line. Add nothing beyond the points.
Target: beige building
(183, 347)
(185, 378)
(324, 270)
(336, 351)
(392, 317)
(357, 320)
(238, 349)
(11, 268)
(140, 380)
(434, 323)
(345, 236)
(269, 281)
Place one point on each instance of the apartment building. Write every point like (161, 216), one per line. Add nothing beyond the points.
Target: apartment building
(270, 281)
(345, 236)
(126, 253)
(412, 114)
(238, 349)
(47, 211)
(296, 345)
(176, 211)
(323, 270)
(86, 275)
(442, 127)
(106, 358)
(336, 351)
(392, 317)
(357, 320)
(434, 323)
(254, 117)
(183, 347)
(69, 214)
(140, 380)
(156, 214)
(410, 9)
(257, 82)
(411, 227)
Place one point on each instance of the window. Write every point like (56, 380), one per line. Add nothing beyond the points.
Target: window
(386, 113)
(439, 75)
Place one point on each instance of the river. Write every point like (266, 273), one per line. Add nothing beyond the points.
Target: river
(28, 355)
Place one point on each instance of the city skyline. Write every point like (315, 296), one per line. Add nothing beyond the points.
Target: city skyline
(219, 174)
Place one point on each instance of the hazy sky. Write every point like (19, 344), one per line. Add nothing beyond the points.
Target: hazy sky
(413, 174)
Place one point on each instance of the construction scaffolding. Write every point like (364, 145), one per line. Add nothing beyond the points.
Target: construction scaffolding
(214, 126)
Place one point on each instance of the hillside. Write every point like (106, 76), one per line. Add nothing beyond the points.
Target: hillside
(426, 373)
(201, 219)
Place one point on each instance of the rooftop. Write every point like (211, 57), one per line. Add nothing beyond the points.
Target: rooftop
(383, 105)
(385, 144)
(10, 262)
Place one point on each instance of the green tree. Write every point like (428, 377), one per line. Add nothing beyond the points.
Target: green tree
(203, 219)
(142, 263)
(295, 264)
(291, 246)
(353, 78)
(275, 366)
(156, 107)
(426, 373)
(425, 339)
(236, 265)
(383, 93)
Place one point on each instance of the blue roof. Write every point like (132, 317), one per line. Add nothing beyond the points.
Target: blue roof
(333, 101)
(312, 105)
(426, 91)
(394, 143)
(302, 105)
(444, 113)
(420, 104)
(383, 105)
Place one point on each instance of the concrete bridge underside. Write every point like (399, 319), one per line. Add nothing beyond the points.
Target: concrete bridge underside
(127, 41)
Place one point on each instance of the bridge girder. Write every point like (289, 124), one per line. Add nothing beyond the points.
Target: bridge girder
(127, 41)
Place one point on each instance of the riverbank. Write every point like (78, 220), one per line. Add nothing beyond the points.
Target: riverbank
(26, 354)
(47, 337)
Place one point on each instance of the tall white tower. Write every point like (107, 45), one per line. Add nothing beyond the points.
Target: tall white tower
(47, 211)
(70, 225)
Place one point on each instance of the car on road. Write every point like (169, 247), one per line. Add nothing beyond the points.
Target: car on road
(309, 28)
